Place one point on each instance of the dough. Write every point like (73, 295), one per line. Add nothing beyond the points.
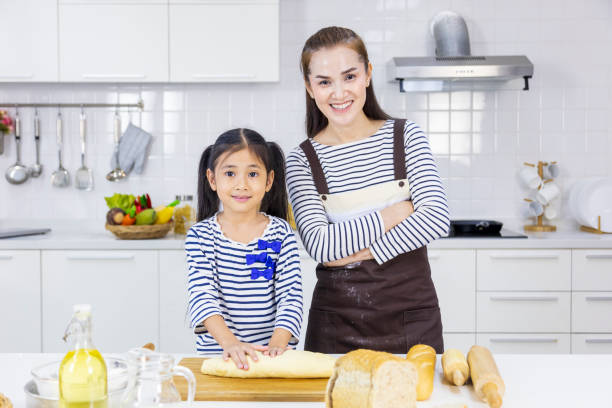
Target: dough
(372, 379)
(290, 364)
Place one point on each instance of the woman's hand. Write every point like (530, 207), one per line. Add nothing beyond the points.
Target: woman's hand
(362, 255)
(239, 351)
(396, 213)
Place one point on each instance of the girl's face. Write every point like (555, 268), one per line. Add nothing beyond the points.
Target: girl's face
(240, 180)
(337, 82)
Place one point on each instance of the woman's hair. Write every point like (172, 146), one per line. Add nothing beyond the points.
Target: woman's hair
(329, 37)
(274, 201)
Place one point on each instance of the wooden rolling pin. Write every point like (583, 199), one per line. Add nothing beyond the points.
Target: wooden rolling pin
(487, 382)
(455, 367)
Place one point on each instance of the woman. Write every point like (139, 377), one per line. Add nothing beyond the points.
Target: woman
(352, 185)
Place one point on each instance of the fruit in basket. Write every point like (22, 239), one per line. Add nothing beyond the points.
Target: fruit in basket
(115, 216)
(128, 220)
(146, 217)
(165, 212)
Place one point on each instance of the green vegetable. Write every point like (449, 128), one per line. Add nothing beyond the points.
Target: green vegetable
(123, 201)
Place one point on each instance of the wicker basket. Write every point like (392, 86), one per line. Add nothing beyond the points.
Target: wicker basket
(140, 231)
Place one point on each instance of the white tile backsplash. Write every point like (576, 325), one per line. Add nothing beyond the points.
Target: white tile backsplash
(480, 138)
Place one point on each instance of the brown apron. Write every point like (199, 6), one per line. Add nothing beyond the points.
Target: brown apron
(388, 307)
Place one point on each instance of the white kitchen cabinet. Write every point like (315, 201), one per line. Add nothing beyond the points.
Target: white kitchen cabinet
(527, 312)
(309, 280)
(454, 275)
(29, 32)
(531, 343)
(524, 269)
(20, 320)
(592, 312)
(592, 343)
(103, 41)
(459, 341)
(229, 41)
(175, 335)
(592, 269)
(122, 286)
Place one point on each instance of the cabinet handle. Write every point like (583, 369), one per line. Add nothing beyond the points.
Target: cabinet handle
(598, 341)
(24, 76)
(524, 298)
(514, 257)
(6, 257)
(599, 256)
(223, 76)
(99, 257)
(113, 76)
(599, 298)
(544, 340)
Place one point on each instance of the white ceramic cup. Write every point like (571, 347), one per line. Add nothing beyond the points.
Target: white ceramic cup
(551, 171)
(532, 209)
(529, 177)
(550, 212)
(547, 193)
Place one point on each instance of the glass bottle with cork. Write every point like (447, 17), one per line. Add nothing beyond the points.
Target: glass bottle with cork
(184, 214)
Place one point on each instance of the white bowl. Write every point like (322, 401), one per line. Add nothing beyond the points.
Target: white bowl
(34, 400)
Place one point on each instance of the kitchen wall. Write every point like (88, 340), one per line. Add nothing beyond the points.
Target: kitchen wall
(480, 138)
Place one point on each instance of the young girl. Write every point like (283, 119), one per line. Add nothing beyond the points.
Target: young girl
(245, 286)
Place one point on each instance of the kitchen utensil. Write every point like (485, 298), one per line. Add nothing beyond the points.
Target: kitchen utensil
(529, 177)
(150, 382)
(550, 213)
(116, 174)
(34, 400)
(597, 202)
(475, 227)
(551, 170)
(60, 177)
(547, 193)
(36, 169)
(83, 178)
(212, 388)
(17, 173)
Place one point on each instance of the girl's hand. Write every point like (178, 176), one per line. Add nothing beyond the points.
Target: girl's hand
(239, 351)
(362, 255)
(276, 350)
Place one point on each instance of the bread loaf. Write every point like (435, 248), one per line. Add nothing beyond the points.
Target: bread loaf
(424, 359)
(290, 364)
(5, 402)
(371, 379)
(455, 367)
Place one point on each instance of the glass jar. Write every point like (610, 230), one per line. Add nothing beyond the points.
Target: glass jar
(184, 214)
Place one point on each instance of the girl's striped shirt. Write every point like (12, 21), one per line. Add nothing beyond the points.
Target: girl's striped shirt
(228, 278)
(360, 164)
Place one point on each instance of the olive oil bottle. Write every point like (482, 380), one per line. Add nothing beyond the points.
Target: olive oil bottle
(82, 374)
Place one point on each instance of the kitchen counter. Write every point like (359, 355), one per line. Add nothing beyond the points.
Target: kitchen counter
(92, 237)
(531, 381)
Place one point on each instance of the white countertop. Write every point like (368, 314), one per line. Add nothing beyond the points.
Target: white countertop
(92, 237)
(531, 381)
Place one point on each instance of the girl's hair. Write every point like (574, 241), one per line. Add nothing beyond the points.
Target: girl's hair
(274, 201)
(329, 37)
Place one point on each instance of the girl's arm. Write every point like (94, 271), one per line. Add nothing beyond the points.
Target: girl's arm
(232, 347)
(327, 242)
(430, 219)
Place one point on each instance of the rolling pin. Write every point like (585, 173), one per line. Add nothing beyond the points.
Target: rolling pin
(455, 367)
(487, 382)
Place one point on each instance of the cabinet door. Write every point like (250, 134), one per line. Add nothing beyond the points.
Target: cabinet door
(113, 42)
(309, 280)
(592, 343)
(544, 343)
(121, 286)
(592, 312)
(230, 41)
(592, 269)
(459, 341)
(175, 335)
(29, 31)
(20, 302)
(454, 275)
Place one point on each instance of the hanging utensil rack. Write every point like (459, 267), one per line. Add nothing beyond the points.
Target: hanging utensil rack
(139, 105)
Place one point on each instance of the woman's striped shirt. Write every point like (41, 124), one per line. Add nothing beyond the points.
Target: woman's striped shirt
(360, 164)
(228, 278)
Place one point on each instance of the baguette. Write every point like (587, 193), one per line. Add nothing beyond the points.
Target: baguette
(424, 359)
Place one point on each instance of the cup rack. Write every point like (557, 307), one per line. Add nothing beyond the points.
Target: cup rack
(539, 226)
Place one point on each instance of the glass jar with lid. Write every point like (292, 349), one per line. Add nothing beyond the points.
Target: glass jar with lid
(184, 214)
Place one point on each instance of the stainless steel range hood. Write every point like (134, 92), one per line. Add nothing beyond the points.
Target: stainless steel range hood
(453, 61)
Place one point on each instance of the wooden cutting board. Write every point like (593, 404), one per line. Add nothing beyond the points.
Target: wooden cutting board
(212, 388)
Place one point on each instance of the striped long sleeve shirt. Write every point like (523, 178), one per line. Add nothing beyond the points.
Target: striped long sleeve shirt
(255, 287)
(360, 164)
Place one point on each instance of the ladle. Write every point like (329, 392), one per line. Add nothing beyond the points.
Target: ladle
(36, 169)
(17, 173)
(116, 174)
(60, 177)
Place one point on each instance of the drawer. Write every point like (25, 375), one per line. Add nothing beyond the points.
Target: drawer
(459, 341)
(592, 343)
(453, 274)
(592, 269)
(525, 269)
(525, 343)
(592, 312)
(531, 312)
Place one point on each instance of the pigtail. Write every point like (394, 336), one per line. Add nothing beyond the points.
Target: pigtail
(208, 200)
(275, 201)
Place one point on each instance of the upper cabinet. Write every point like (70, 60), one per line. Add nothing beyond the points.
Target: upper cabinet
(228, 41)
(105, 41)
(29, 31)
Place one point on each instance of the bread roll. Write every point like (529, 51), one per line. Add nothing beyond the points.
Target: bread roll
(371, 379)
(290, 364)
(5, 402)
(424, 359)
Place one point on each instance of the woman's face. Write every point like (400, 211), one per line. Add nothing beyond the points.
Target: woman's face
(337, 82)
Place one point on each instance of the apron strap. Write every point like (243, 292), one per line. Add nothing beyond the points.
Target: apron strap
(315, 167)
(399, 154)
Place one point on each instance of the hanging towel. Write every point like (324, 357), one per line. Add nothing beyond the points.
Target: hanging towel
(133, 147)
